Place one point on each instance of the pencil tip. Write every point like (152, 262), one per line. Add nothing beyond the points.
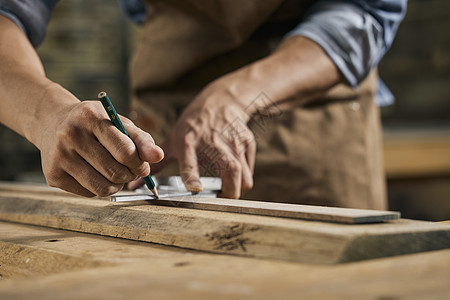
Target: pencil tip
(155, 192)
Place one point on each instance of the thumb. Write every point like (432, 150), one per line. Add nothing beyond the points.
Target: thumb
(155, 168)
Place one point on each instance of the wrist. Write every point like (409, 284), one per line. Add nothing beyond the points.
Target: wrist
(50, 107)
(245, 89)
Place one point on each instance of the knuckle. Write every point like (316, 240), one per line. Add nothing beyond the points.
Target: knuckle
(126, 122)
(51, 181)
(247, 185)
(106, 190)
(70, 134)
(87, 110)
(126, 152)
(99, 189)
(60, 158)
(188, 139)
(214, 138)
(143, 138)
(117, 174)
(141, 169)
(102, 192)
(52, 177)
(115, 188)
(234, 167)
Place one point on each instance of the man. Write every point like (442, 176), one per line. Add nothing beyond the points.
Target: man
(246, 73)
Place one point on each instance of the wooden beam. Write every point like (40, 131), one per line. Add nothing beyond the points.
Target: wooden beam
(221, 232)
(83, 266)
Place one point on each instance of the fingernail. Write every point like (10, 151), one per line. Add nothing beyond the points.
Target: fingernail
(194, 187)
(161, 151)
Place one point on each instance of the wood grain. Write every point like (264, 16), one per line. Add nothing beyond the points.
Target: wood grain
(133, 270)
(221, 232)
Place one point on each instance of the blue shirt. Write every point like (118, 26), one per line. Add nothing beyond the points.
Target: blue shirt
(355, 34)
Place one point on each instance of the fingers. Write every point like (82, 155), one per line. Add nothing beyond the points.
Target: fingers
(231, 154)
(235, 172)
(77, 176)
(120, 147)
(134, 152)
(69, 184)
(136, 184)
(147, 149)
(90, 179)
(231, 180)
(237, 178)
(189, 171)
(101, 160)
(244, 149)
(168, 158)
(230, 157)
(247, 171)
(250, 155)
(154, 169)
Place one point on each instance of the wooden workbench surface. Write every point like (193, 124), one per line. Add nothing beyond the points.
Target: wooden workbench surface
(110, 252)
(44, 263)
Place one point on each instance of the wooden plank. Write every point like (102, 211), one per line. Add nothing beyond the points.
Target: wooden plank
(136, 270)
(285, 210)
(220, 232)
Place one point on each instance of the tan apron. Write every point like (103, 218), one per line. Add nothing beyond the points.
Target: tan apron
(323, 154)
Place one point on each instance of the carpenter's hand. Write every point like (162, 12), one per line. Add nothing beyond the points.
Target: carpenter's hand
(212, 135)
(83, 153)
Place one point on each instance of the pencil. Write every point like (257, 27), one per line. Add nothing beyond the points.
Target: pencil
(111, 111)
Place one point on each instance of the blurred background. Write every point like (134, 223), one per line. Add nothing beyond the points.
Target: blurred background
(89, 43)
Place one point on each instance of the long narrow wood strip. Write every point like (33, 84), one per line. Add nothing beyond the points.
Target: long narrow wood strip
(294, 211)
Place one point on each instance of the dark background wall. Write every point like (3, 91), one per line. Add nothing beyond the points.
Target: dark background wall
(417, 68)
(89, 42)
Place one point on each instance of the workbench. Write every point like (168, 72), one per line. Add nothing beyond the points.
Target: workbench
(55, 245)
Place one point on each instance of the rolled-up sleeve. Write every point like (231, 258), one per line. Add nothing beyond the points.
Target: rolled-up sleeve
(354, 34)
(32, 16)
(135, 10)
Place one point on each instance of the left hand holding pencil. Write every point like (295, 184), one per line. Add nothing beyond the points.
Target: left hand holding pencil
(84, 153)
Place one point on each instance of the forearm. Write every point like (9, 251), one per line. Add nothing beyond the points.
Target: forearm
(27, 97)
(298, 68)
